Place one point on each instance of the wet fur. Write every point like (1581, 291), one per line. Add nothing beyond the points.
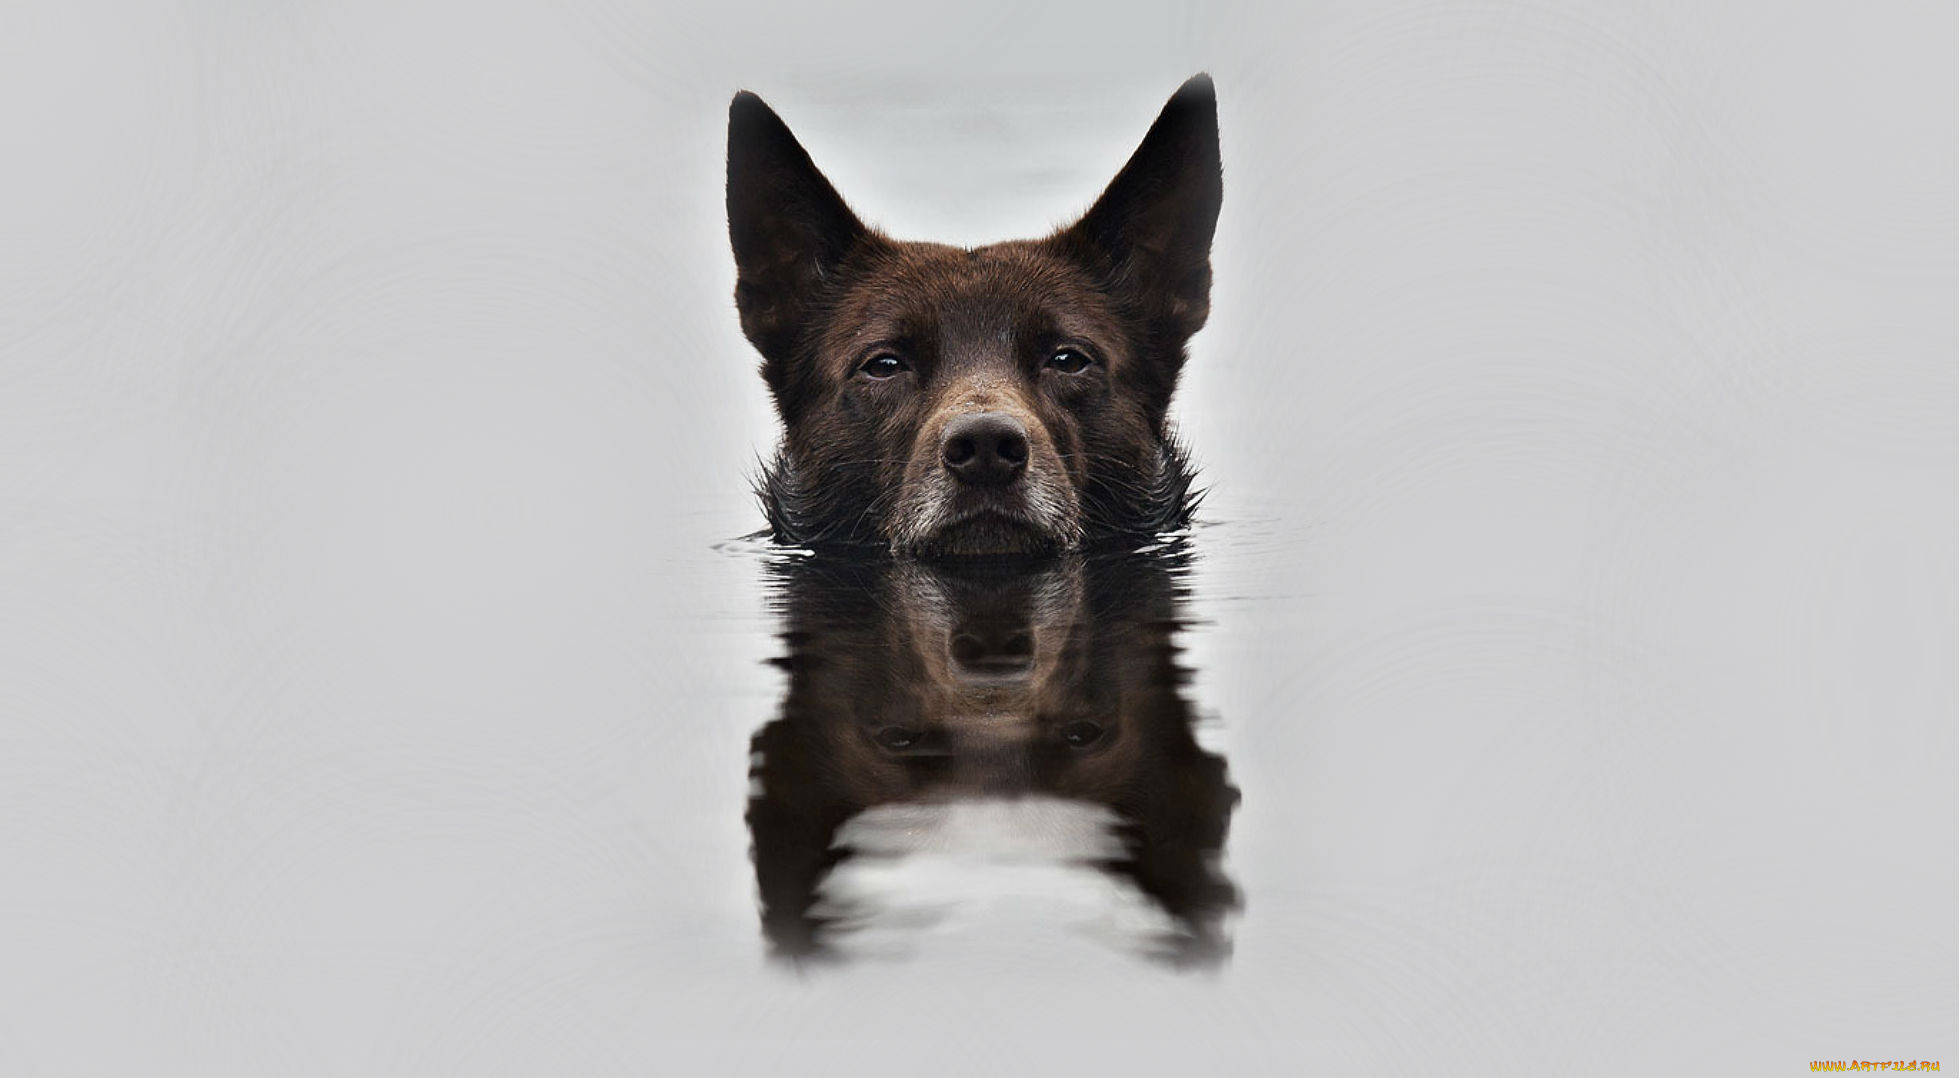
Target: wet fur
(1117, 514)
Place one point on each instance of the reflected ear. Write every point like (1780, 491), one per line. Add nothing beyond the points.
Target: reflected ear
(794, 814)
(1150, 233)
(789, 228)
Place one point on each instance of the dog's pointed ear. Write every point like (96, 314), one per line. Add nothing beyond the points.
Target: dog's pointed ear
(1151, 230)
(789, 228)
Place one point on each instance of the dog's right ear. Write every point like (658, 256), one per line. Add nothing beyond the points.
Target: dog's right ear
(789, 227)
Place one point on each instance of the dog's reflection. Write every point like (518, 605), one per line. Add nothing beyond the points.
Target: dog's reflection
(916, 686)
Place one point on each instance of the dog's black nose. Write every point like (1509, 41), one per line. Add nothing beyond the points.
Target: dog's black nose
(985, 448)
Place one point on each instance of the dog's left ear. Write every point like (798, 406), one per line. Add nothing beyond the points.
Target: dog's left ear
(1150, 233)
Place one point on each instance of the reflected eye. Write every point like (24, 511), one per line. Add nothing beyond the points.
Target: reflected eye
(1081, 733)
(898, 738)
(1069, 361)
(883, 366)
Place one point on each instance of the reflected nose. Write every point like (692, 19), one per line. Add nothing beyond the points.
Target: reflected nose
(985, 448)
(992, 647)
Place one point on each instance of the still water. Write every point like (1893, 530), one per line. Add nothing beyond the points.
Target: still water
(944, 724)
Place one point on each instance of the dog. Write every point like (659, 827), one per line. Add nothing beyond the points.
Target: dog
(1009, 399)
(921, 685)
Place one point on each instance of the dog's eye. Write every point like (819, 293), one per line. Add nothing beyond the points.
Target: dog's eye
(1070, 361)
(883, 366)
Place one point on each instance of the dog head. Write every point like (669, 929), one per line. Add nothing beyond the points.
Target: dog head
(966, 401)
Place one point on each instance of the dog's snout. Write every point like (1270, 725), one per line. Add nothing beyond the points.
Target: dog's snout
(985, 448)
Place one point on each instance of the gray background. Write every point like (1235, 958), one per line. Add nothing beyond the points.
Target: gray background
(1579, 402)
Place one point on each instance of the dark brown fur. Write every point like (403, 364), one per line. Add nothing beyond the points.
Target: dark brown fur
(983, 330)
